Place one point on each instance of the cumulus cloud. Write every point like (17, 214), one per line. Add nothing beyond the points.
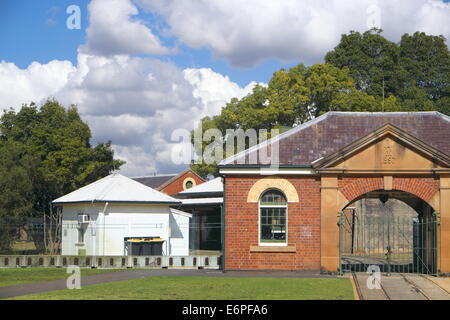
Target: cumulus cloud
(138, 103)
(214, 89)
(139, 161)
(247, 32)
(37, 82)
(111, 30)
(135, 102)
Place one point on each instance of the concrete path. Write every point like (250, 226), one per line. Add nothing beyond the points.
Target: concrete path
(39, 287)
(401, 287)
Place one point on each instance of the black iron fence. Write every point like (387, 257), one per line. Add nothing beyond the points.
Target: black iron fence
(394, 244)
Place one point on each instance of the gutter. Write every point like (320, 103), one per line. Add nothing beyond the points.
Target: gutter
(114, 201)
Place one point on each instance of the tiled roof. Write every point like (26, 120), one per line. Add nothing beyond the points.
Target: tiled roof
(154, 181)
(332, 131)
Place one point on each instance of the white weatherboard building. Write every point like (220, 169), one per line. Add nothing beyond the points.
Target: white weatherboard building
(99, 217)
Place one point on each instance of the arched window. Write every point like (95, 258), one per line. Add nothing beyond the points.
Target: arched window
(273, 218)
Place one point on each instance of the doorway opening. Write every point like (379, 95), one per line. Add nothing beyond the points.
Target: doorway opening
(392, 230)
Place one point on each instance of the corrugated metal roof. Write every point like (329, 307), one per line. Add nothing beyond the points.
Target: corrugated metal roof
(199, 201)
(116, 188)
(180, 213)
(211, 186)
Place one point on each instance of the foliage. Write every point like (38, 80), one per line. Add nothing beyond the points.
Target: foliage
(416, 71)
(46, 153)
(364, 72)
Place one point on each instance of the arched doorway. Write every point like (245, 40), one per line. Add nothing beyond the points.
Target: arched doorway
(394, 230)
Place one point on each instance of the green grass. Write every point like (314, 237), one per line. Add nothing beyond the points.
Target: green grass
(13, 276)
(208, 288)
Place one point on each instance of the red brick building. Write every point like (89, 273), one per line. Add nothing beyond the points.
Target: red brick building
(172, 184)
(288, 216)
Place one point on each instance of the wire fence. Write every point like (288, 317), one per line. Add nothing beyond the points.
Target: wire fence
(90, 238)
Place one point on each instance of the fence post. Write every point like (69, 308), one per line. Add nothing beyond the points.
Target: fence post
(340, 214)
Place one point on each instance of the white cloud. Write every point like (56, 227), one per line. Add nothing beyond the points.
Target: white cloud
(214, 89)
(111, 30)
(138, 161)
(135, 102)
(37, 82)
(138, 102)
(247, 32)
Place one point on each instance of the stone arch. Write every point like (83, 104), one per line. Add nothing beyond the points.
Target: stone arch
(272, 183)
(415, 186)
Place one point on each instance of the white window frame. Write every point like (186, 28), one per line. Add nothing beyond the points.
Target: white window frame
(272, 244)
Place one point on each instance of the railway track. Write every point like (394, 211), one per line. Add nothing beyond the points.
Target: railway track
(415, 286)
(385, 292)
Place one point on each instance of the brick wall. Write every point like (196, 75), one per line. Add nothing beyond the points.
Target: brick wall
(177, 185)
(241, 218)
(241, 227)
(422, 187)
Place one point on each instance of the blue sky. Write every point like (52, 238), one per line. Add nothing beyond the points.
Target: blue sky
(36, 31)
(139, 70)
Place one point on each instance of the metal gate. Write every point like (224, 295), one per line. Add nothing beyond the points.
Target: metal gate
(394, 244)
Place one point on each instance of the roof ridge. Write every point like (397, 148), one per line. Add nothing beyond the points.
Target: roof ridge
(155, 176)
(276, 138)
(319, 119)
(385, 112)
(141, 185)
(167, 182)
(87, 186)
(116, 187)
(107, 187)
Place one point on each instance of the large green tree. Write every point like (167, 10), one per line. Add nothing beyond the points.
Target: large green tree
(291, 97)
(364, 72)
(46, 153)
(16, 191)
(416, 71)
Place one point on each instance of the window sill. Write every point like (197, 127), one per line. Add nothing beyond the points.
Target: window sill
(273, 249)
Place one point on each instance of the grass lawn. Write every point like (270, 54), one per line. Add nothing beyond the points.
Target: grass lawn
(12, 276)
(208, 288)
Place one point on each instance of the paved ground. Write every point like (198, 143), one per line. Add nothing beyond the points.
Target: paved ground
(402, 287)
(38, 287)
(444, 283)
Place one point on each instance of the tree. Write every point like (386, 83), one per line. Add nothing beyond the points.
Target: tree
(55, 157)
(364, 72)
(373, 62)
(426, 60)
(292, 97)
(204, 169)
(16, 192)
(416, 71)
